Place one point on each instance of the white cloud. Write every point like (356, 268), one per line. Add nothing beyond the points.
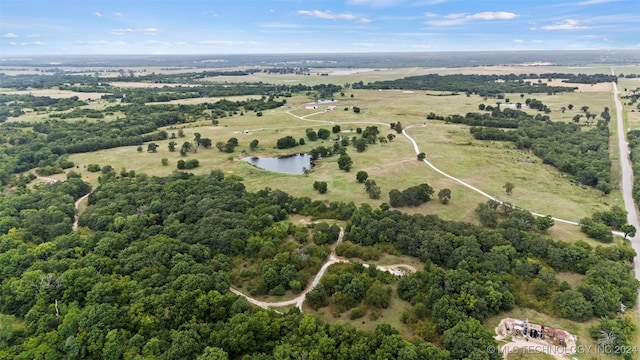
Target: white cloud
(455, 16)
(327, 15)
(594, 2)
(376, 3)
(430, 15)
(121, 31)
(568, 24)
(12, 43)
(98, 14)
(33, 43)
(518, 41)
(364, 20)
(280, 25)
(117, 14)
(493, 15)
(461, 18)
(149, 31)
(9, 35)
(144, 31)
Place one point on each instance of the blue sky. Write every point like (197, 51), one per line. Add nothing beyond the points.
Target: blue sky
(311, 26)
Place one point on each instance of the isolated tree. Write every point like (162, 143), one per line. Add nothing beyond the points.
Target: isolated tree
(444, 196)
(508, 187)
(321, 186)
(570, 106)
(345, 162)
(361, 145)
(576, 118)
(563, 109)
(165, 161)
(628, 230)
(362, 176)
(152, 147)
(481, 107)
(421, 156)
(254, 144)
(172, 146)
(544, 223)
(391, 137)
(181, 133)
(584, 108)
(336, 129)
(196, 138)
(355, 108)
(323, 134)
(206, 142)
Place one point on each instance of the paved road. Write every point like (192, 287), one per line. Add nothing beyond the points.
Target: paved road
(627, 183)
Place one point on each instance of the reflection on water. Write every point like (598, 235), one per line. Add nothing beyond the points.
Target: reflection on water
(294, 164)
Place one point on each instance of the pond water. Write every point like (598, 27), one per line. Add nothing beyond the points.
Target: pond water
(294, 164)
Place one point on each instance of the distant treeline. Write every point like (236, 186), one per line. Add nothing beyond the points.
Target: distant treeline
(486, 85)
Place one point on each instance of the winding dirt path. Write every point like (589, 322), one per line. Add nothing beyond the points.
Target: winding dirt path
(74, 227)
(333, 259)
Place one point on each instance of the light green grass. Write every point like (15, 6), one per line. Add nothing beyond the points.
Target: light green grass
(487, 165)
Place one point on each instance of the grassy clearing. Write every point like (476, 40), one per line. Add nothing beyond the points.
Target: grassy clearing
(489, 165)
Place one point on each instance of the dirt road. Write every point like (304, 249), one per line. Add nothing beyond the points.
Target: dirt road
(333, 259)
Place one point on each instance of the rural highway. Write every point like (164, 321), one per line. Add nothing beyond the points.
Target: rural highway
(627, 183)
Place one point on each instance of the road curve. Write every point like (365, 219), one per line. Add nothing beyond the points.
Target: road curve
(417, 150)
(74, 227)
(333, 259)
(627, 183)
(298, 301)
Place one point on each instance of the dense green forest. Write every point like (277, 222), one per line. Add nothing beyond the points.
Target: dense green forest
(487, 85)
(148, 272)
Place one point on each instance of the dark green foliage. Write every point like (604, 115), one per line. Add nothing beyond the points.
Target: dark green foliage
(321, 186)
(324, 134)
(312, 135)
(345, 162)
(412, 196)
(286, 142)
(485, 85)
(444, 196)
(573, 305)
(596, 230)
(361, 176)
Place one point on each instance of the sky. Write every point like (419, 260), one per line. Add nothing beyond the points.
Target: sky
(76, 27)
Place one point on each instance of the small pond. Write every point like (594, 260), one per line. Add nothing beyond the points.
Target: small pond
(294, 164)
